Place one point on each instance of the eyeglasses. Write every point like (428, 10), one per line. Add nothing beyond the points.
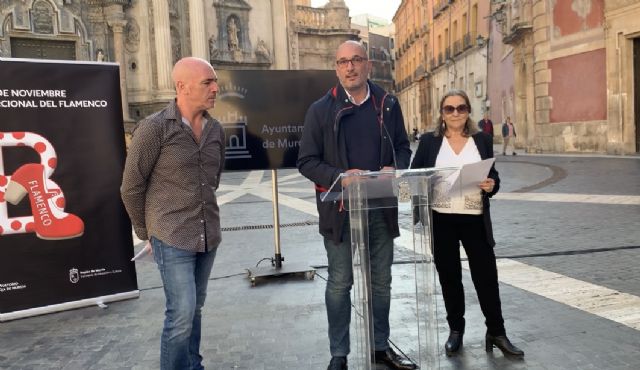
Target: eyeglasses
(462, 109)
(355, 61)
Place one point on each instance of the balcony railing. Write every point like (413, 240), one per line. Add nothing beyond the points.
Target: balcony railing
(308, 17)
(380, 55)
(517, 32)
(440, 59)
(432, 64)
(439, 7)
(418, 73)
(384, 74)
(447, 53)
(466, 41)
(424, 29)
(457, 47)
(117, 2)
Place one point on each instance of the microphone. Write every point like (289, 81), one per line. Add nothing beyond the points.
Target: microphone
(384, 127)
(393, 149)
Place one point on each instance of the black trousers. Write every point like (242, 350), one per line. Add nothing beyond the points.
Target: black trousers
(448, 231)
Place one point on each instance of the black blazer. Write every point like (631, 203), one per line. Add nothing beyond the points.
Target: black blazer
(427, 153)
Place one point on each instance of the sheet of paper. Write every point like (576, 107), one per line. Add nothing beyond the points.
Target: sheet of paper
(145, 254)
(469, 176)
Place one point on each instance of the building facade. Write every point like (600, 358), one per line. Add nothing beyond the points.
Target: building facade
(459, 35)
(377, 37)
(146, 37)
(314, 34)
(441, 45)
(622, 60)
(411, 45)
(381, 57)
(575, 73)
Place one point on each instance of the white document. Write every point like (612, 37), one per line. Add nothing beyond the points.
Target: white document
(145, 254)
(470, 176)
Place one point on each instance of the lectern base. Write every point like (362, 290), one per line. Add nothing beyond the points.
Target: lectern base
(258, 273)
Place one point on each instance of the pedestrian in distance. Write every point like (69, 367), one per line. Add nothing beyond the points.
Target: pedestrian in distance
(415, 134)
(464, 218)
(170, 178)
(355, 127)
(508, 134)
(486, 125)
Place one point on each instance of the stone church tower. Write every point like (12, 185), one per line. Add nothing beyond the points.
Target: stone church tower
(146, 37)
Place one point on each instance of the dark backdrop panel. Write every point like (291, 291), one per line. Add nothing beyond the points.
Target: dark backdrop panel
(263, 114)
(90, 150)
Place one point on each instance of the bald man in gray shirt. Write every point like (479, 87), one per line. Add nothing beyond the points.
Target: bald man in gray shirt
(168, 188)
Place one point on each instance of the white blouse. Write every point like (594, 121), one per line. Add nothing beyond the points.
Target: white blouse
(442, 200)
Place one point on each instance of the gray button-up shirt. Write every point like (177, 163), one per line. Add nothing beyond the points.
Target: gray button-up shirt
(169, 181)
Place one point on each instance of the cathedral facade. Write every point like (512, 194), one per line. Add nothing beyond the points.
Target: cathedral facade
(146, 37)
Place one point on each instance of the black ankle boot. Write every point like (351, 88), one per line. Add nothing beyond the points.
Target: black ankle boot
(454, 342)
(504, 344)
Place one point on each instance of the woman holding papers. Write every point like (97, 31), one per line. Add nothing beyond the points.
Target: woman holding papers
(462, 215)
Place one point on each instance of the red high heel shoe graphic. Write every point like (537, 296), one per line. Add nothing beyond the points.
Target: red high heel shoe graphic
(51, 222)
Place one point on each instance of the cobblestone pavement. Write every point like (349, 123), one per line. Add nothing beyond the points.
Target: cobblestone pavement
(589, 244)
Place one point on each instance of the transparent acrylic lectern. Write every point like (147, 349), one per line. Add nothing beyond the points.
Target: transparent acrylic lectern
(411, 190)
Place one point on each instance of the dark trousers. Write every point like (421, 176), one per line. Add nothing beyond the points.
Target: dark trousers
(448, 231)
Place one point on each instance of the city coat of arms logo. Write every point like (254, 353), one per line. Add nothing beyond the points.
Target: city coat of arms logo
(74, 275)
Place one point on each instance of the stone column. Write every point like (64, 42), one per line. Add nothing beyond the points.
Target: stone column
(118, 46)
(280, 34)
(164, 59)
(115, 19)
(199, 42)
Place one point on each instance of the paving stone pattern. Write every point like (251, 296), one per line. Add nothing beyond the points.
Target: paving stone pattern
(281, 323)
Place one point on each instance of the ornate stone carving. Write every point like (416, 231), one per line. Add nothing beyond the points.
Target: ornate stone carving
(42, 16)
(262, 51)
(232, 32)
(19, 16)
(176, 45)
(100, 57)
(115, 2)
(83, 52)
(174, 8)
(233, 43)
(515, 10)
(132, 36)
(213, 47)
(133, 64)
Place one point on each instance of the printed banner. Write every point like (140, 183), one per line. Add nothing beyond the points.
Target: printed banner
(263, 114)
(64, 232)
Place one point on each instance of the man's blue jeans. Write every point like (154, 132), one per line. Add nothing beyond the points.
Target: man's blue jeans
(337, 294)
(185, 276)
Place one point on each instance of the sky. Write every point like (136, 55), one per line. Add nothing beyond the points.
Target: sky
(380, 8)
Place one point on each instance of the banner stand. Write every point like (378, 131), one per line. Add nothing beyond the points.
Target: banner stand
(65, 237)
(260, 135)
(98, 301)
(277, 268)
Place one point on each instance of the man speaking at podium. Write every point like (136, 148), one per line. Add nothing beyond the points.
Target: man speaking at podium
(355, 127)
